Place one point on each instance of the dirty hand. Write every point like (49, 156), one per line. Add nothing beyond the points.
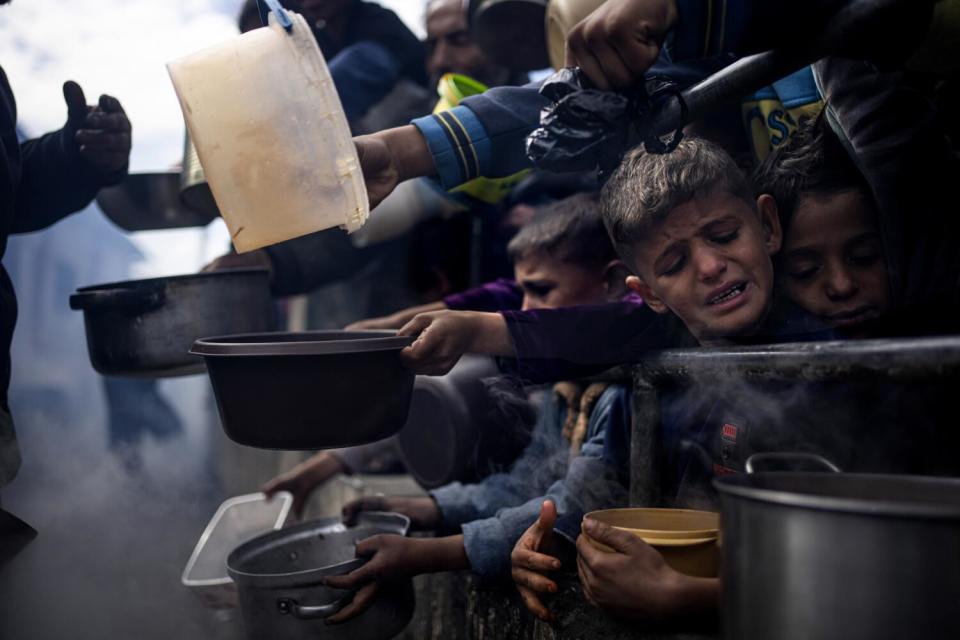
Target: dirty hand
(444, 336)
(304, 478)
(258, 259)
(102, 133)
(616, 44)
(391, 557)
(529, 563)
(633, 581)
(391, 156)
(422, 511)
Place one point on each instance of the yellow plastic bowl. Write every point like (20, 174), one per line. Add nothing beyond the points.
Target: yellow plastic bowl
(687, 539)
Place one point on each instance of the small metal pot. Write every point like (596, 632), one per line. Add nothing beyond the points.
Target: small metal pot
(146, 327)
(150, 201)
(278, 575)
(195, 192)
(831, 556)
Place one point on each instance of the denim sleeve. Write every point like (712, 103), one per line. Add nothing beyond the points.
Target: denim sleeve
(363, 73)
(591, 482)
(527, 477)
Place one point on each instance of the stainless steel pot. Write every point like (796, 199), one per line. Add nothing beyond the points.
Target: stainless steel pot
(831, 556)
(195, 192)
(278, 574)
(150, 201)
(146, 327)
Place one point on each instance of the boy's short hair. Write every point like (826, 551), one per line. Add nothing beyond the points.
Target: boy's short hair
(812, 162)
(646, 187)
(569, 230)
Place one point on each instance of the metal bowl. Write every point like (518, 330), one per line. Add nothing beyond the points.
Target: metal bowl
(279, 581)
(310, 390)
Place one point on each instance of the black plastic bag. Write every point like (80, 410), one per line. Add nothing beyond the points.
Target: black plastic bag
(585, 129)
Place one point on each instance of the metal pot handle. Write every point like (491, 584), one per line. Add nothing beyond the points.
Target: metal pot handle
(318, 612)
(132, 300)
(790, 457)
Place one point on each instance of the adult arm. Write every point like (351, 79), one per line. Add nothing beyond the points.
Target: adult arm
(63, 170)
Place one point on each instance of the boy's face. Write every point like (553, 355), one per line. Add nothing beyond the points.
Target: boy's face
(548, 282)
(709, 263)
(833, 261)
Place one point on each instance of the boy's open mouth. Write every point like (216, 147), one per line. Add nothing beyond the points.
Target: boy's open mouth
(727, 294)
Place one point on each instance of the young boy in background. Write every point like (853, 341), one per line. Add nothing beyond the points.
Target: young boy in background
(832, 263)
(577, 456)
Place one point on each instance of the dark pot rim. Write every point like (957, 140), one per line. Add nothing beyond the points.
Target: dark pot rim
(172, 279)
(303, 343)
(752, 487)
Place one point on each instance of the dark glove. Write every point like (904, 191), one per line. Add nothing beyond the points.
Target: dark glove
(101, 134)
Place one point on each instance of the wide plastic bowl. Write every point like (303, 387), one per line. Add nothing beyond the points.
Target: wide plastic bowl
(310, 390)
(686, 539)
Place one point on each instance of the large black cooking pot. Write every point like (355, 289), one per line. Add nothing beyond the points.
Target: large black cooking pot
(309, 390)
(146, 327)
(837, 556)
(278, 574)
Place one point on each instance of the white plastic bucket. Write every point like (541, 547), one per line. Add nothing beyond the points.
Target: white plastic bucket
(271, 135)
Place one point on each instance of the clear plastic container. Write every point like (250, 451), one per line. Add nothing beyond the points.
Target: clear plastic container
(271, 135)
(236, 521)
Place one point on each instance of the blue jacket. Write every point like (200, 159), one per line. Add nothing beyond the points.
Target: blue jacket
(495, 512)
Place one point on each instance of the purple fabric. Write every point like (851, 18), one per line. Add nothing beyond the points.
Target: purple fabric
(573, 342)
(500, 295)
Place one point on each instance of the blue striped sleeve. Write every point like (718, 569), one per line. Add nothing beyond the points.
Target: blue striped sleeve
(458, 143)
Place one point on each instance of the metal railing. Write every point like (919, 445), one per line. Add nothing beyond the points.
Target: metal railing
(855, 361)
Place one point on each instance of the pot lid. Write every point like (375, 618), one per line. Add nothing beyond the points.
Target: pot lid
(869, 494)
(304, 553)
(300, 343)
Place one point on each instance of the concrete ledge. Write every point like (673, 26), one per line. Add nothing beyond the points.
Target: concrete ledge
(458, 606)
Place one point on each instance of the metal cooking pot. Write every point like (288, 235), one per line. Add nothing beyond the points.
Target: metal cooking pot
(150, 201)
(831, 556)
(146, 327)
(278, 574)
(195, 192)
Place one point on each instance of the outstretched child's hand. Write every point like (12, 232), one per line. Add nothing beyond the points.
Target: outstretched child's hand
(634, 581)
(393, 557)
(304, 478)
(444, 336)
(529, 563)
(422, 511)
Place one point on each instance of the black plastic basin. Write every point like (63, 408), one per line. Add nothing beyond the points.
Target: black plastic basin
(312, 390)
